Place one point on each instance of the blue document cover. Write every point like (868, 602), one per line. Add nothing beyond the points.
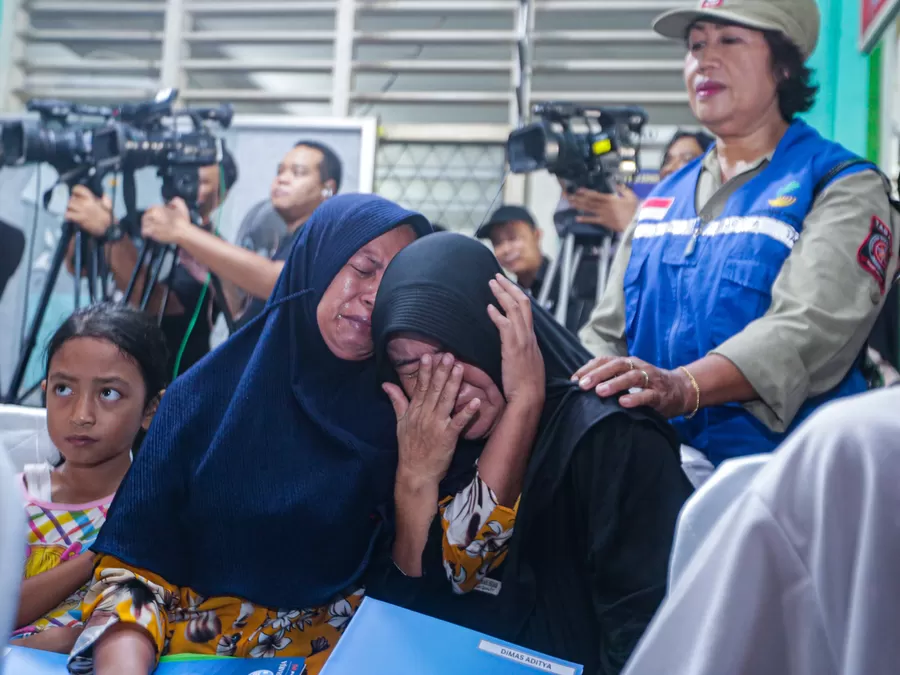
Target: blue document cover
(24, 661)
(386, 640)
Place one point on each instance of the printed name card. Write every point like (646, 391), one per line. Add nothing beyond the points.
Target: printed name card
(539, 662)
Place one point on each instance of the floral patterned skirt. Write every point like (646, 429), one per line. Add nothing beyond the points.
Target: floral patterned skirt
(180, 621)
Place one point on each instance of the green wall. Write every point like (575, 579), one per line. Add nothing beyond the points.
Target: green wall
(847, 92)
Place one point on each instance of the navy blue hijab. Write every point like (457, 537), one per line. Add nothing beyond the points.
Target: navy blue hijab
(267, 462)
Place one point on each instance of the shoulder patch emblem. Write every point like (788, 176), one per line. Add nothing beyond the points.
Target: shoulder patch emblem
(874, 255)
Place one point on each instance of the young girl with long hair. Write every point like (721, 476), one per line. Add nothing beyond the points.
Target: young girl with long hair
(106, 371)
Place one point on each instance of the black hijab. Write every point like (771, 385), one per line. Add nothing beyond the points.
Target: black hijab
(587, 564)
(438, 287)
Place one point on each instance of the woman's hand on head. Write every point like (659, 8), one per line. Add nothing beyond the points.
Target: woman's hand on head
(427, 429)
(669, 392)
(522, 362)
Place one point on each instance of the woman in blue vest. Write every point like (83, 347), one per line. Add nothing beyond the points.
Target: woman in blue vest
(744, 290)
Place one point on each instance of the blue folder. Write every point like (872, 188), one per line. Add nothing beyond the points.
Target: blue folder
(386, 640)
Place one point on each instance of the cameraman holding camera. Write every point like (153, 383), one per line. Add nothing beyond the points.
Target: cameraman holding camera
(190, 311)
(616, 211)
(516, 240)
(309, 174)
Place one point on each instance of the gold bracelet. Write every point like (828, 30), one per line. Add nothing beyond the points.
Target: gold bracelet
(696, 388)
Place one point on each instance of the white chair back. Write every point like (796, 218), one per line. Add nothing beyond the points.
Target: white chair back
(701, 512)
(12, 548)
(23, 435)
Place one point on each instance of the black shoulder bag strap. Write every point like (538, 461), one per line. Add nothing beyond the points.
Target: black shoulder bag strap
(826, 180)
(838, 169)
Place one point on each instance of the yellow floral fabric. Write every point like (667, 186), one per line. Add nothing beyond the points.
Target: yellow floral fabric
(180, 621)
(477, 531)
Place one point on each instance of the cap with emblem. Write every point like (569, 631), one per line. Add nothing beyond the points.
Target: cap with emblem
(503, 215)
(798, 20)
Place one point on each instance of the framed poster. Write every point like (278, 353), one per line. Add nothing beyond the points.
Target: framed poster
(258, 144)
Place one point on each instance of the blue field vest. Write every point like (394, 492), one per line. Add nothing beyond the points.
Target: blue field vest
(689, 285)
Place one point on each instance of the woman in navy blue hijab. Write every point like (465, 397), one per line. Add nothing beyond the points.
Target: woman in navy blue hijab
(251, 510)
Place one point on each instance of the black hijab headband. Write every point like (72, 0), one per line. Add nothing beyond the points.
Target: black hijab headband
(438, 288)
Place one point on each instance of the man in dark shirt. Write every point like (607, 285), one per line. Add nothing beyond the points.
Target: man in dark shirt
(190, 309)
(516, 239)
(309, 174)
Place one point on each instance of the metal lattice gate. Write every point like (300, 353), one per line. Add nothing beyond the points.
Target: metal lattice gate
(453, 184)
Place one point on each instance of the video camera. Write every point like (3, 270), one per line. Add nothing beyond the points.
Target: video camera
(123, 138)
(593, 148)
(604, 153)
(128, 137)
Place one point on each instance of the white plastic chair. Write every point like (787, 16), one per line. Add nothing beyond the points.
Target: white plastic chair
(701, 512)
(12, 548)
(23, 434)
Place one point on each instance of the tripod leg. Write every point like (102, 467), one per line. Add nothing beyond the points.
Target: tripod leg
(548, 282)
(147, 250)
(170, 277)
(153, 276)
(59, 257)
(223, 303)
(93, 270)
(103, 271)
(562, 303)
(79, 268)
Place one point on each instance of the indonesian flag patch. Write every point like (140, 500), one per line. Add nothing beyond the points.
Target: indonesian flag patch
(874, 255)
(655, 208)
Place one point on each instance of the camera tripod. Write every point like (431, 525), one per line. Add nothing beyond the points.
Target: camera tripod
(576, 238)
(182, 182)
(177, 182)
(84, 243)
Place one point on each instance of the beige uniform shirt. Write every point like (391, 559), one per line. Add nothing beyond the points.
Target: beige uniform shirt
(824, 302)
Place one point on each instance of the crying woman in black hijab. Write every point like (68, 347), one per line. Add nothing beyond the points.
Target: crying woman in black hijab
(525, 509)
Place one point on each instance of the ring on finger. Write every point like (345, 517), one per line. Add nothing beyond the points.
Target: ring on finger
(646, 378)
(631, 365)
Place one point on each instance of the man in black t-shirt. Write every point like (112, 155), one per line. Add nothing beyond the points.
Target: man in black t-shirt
(516, 239)
(191, 307)
(309, 174)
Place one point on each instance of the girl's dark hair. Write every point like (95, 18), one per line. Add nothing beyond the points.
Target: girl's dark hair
(796, 91)
(703, 139)
(135, 334)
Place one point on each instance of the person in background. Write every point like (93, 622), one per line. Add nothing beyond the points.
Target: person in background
(247, 519)
(106, 372)
(615, 212)
(577, 566)
(742, 297)
(309, 174)
(516, 240)
(191, 308)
